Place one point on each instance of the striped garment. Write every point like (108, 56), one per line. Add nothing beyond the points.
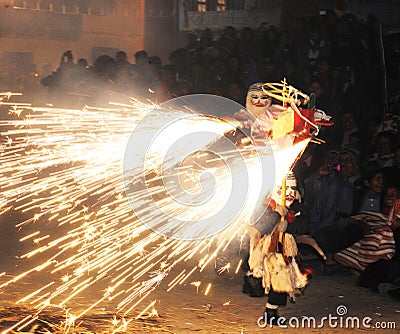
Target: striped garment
(378, 244)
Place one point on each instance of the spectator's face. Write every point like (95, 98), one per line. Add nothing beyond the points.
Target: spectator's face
(246, 68)
(316, 89)
(121, 57)
(331, 160)
(306, 76)
(348, 121)
(235, 93)
(383, 146)
(354, 141)
(324, 66)
(288, 67)
(391, 196)
(376, 184)
(268, 68)
(347, 167)
(167, 76)
(234, 64)
(141, 61)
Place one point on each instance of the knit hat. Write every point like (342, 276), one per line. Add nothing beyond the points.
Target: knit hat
(256, 87)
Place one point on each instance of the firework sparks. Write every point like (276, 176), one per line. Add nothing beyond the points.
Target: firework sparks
(207, 291)
(62, 169)
(196, 284)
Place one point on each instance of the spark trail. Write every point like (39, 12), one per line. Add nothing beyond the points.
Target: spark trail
(92, 218)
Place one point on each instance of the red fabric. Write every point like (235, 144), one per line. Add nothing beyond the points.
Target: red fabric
(300, 124)
(290, 216)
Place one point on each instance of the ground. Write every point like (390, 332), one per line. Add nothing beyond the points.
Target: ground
(225, 309)
(186, 308)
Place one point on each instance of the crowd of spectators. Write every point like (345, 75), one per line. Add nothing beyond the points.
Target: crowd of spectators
(344, 61)
(340, 58)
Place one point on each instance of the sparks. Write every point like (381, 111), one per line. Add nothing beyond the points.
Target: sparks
(196, 284)
(63, 170)
(206, 292)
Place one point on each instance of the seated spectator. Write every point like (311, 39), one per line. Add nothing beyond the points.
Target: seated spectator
(391, 195)
(322, 99)
(248, 72)
(343, 129)
(384, 274)
(267, 70)
(309, 162)
(378, 241)
(354, 143)
(328, 199)
(392, 174)
(247, 41)
(384, 149)
(318, 47)
(325, 76)
(349, 161)
(348, 171)
(233, 68)
(372, 184)
(288, 71)
(235, 91)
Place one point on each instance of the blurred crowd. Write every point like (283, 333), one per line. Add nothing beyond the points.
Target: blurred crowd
(351, 67)
(347, 62)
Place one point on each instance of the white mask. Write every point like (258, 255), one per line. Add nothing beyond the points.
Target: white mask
(257, 102)
(291, 191)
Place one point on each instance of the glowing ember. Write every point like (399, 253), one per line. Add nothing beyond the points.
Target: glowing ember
(206, 292)
(196, 284)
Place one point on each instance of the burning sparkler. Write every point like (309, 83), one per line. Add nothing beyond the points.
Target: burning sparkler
(117, 197)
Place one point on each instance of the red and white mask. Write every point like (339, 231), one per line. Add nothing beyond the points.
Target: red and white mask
(291, 191)
(257, 102)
